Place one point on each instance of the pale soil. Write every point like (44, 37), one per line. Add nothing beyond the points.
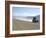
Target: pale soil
(24, 25)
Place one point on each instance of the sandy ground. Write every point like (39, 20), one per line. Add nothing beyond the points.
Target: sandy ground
(24, 25)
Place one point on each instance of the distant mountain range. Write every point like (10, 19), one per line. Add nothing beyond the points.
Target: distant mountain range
(26, 17)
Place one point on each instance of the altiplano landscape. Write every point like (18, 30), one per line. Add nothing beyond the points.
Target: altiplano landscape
(25, 25)
(25, 18)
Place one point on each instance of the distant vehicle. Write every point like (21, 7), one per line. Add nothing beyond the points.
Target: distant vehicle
(35, 19)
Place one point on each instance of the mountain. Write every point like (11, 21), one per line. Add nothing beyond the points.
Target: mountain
(27, 17)
(38, 17)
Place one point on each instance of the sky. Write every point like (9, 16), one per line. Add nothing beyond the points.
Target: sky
(25, 11)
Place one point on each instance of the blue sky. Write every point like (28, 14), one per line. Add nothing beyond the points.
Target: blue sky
(25, 11)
